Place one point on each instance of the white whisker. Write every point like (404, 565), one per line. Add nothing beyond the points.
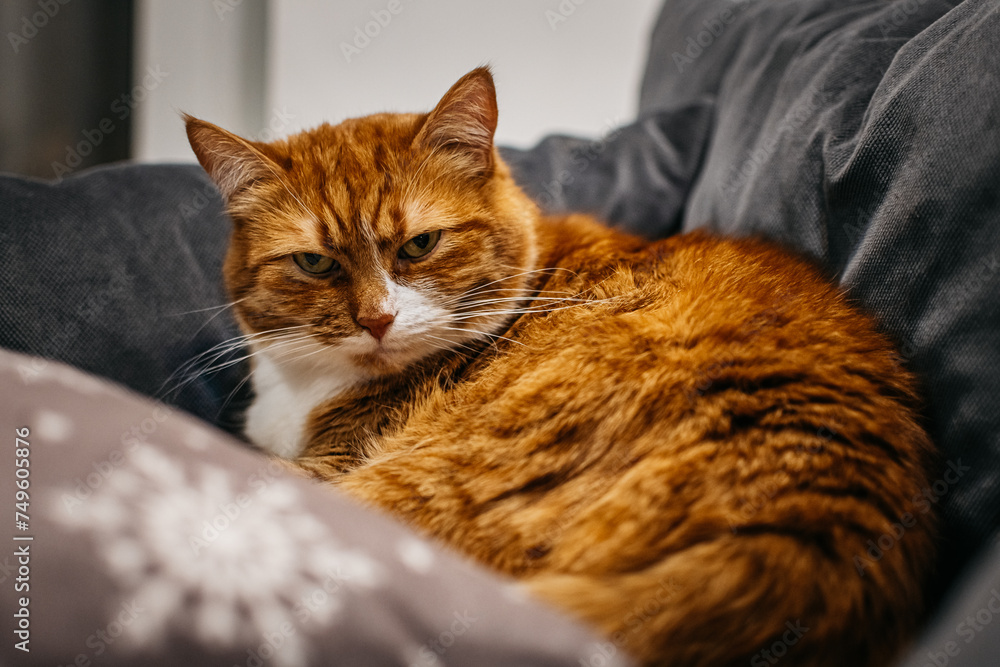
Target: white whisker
(485, 333)
(463, 299)
(548, 299)
(450, 344)
(526, 311)
(221, 307)
(208, 361)
(519, 274)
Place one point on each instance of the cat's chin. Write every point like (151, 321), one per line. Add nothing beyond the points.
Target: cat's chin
(381, 360)
(380, 363)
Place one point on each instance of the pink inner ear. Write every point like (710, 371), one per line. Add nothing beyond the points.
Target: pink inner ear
(465, 118)
(231, 162)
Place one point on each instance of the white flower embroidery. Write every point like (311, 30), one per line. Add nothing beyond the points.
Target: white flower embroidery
(416, 555)
(53, 427)
(230, 568)
(32, 369)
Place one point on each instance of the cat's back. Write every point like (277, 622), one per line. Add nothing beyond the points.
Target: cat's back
(696, 292)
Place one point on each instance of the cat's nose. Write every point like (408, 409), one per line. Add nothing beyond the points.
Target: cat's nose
(377, 325)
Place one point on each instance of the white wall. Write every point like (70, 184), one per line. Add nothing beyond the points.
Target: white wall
(207, 63)
(282, 65)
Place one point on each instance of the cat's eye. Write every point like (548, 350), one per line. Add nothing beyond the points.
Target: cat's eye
(419, 246)
(314, 264)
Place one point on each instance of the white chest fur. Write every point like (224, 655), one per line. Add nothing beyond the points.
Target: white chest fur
(287, 393)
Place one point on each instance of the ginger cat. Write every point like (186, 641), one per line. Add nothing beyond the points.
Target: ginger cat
(689, 444)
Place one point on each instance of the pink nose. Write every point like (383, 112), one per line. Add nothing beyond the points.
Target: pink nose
(378, 325)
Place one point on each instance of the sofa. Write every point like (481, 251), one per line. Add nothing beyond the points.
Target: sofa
(865, 134)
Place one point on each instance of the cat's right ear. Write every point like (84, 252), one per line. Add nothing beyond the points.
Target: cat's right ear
(231, 161)
(464, 120)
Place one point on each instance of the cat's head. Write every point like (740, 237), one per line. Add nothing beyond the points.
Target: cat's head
(376, 242)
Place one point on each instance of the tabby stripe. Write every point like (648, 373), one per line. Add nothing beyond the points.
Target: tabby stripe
(546, 482)
(859, 493)
(819, 538)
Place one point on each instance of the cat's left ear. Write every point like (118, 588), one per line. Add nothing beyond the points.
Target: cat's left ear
(234, 163)
(464, 122)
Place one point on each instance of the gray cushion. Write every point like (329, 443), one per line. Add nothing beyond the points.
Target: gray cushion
(157, 540)
(117, 271)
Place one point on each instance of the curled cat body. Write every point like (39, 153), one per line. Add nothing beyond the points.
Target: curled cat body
(689, 444)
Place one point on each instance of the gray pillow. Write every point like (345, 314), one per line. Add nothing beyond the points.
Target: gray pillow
(144, 537)
(117, 270)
